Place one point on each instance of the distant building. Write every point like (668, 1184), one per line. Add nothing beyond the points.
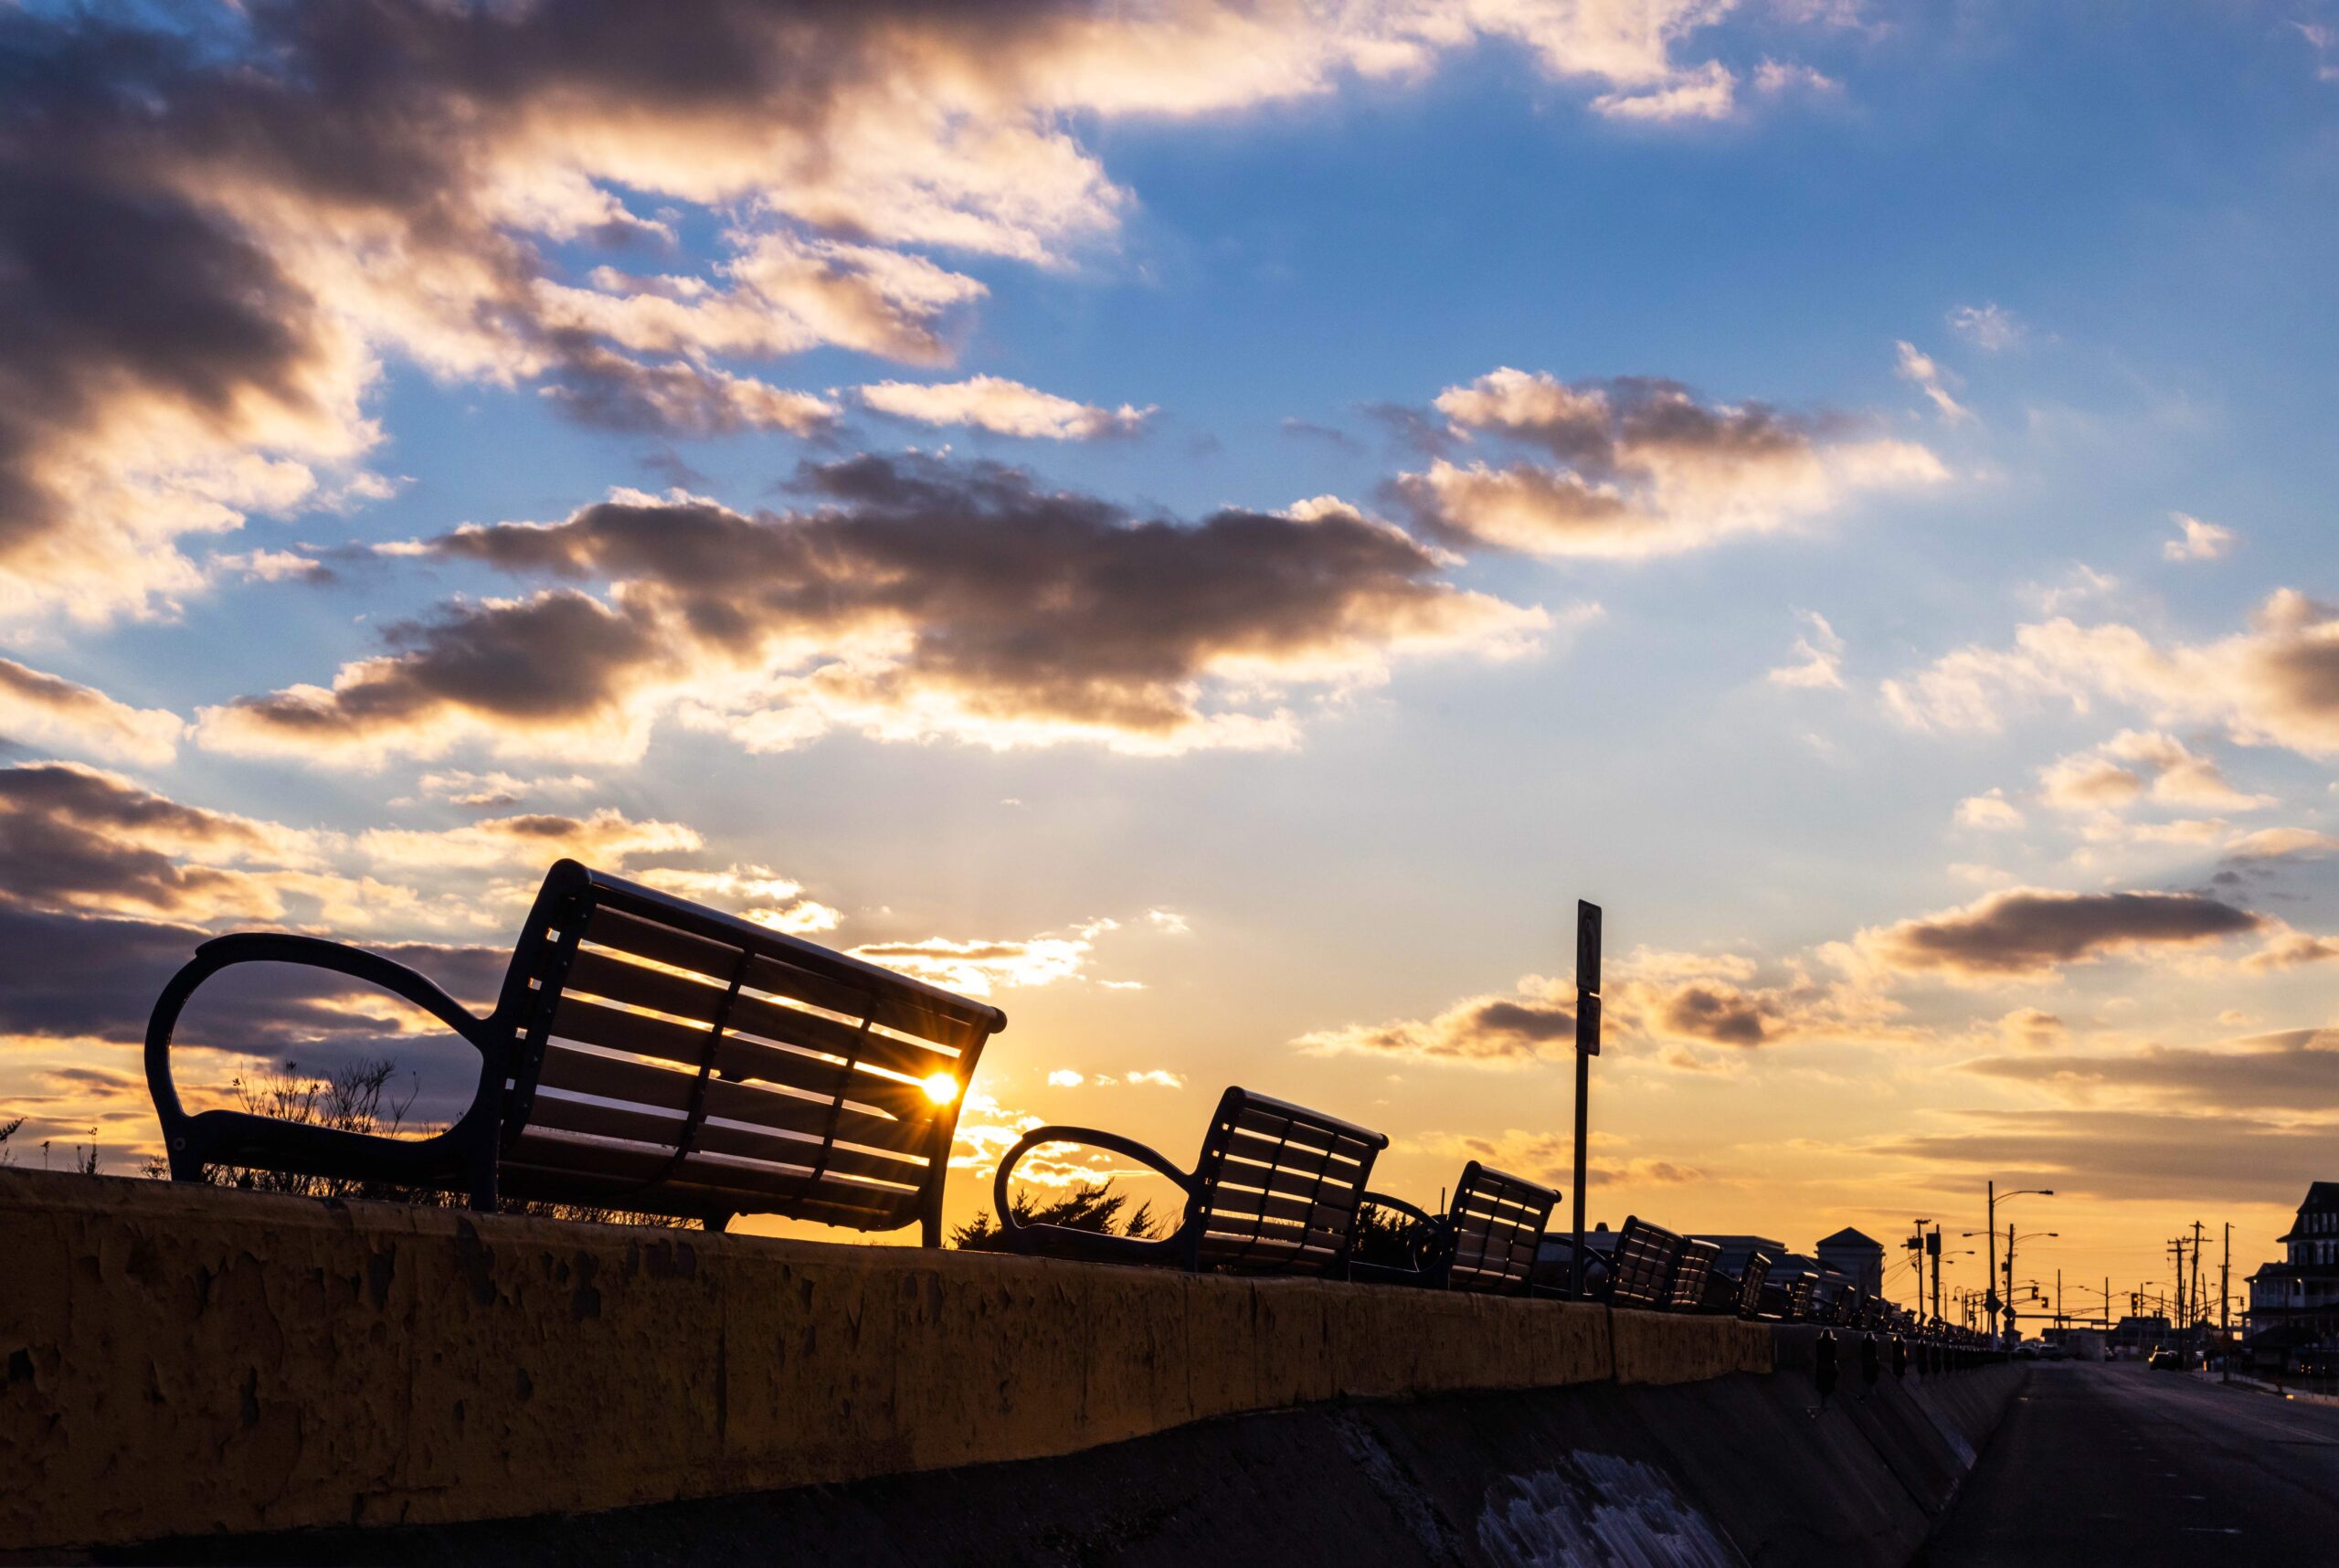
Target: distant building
(2294, 1304)
(1859, 1256)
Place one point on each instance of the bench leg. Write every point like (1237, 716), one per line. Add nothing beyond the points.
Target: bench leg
(719, 1222)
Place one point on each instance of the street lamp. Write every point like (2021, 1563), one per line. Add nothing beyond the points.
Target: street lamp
(1993, 1304)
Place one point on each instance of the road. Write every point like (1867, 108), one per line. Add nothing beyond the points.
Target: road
(2117, 1464)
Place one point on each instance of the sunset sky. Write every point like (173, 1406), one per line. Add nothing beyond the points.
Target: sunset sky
(1214, 524)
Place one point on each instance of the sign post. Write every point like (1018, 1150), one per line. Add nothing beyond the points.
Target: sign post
(1587, 1047)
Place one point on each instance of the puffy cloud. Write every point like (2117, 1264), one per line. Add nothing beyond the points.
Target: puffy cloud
(2286, 948)
(1549, 1157)
(975, 967)
(2180, 777)
(1821, 655)
(1775, 76)
(1990, 327)
(923, 599)
(2280, 844)
(213, 238)
(54, 712)
(2087, 783)
(2197, 540)
(758, 893)
(1156, 1078)
(2029, 931)
(489, 790)
(2277, 684)
(1004, 408)
(1641, 468)
(606, 838)
(1650, 995)
(1707, 92)
(1914, 365)
(1535, 1023)
(1990, 811)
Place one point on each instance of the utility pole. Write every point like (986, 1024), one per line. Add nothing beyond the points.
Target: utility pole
(2225, 1300)
(2200, 1311)
(1587, 1047)
(1990, 1266)
(1935, 1247)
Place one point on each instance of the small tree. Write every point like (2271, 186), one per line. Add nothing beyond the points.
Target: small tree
(8, 1155)
(1082, 1209)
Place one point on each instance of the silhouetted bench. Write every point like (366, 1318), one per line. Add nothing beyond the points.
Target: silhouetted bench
(1692, 1266)
(645, 1055)
(1748, 1298)
(1485, 1241)
(1640, 1265)
(1276, 1188)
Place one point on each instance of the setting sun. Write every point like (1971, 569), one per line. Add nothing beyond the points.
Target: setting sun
(941, 1089)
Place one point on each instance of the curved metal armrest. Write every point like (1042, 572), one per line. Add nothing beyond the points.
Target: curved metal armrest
(1020, 1236)
(314, 952)
(1384, 1200)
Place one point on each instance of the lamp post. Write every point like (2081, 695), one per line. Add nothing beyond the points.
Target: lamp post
(1587, 1047)
(1991, 1305)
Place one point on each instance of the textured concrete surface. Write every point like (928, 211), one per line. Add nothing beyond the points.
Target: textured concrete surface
(1730, 1470)
(189, 1361)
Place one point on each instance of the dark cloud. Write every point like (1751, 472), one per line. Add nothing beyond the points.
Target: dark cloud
(2030, 930)
(912, 594)
(73, 836)
(2190, 1155)
(2295, 1068)
(97, 977)
(1631, 466)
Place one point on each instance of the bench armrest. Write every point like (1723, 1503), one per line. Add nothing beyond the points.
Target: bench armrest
(257, 947)
(1384, 1200)
(1022, 1238)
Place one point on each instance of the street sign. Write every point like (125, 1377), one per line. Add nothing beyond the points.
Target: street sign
(1587, 978)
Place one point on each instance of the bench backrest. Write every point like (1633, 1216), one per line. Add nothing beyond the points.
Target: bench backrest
(1692, 1265)
(1495, 1224)
(1799, 1298)
(1277, 1185)
(1640, 1265)
(674, 1059)
(1750, 1283)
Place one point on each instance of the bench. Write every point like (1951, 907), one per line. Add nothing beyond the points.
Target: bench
(1485, 1241)
(1692, 1266)
(646, 1054)
(1751, 1278)
(1276, 1190)
(1640, 1265)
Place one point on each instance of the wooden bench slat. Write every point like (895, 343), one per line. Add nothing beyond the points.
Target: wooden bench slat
(598, 1024)
(909, 1013)
(718, 1138)
(610, 1121)
(627, 933)
(694, 1001)
(769, 1107)
(610, 1078)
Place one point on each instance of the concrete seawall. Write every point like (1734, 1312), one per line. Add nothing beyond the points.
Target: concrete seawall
(183, 1360)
